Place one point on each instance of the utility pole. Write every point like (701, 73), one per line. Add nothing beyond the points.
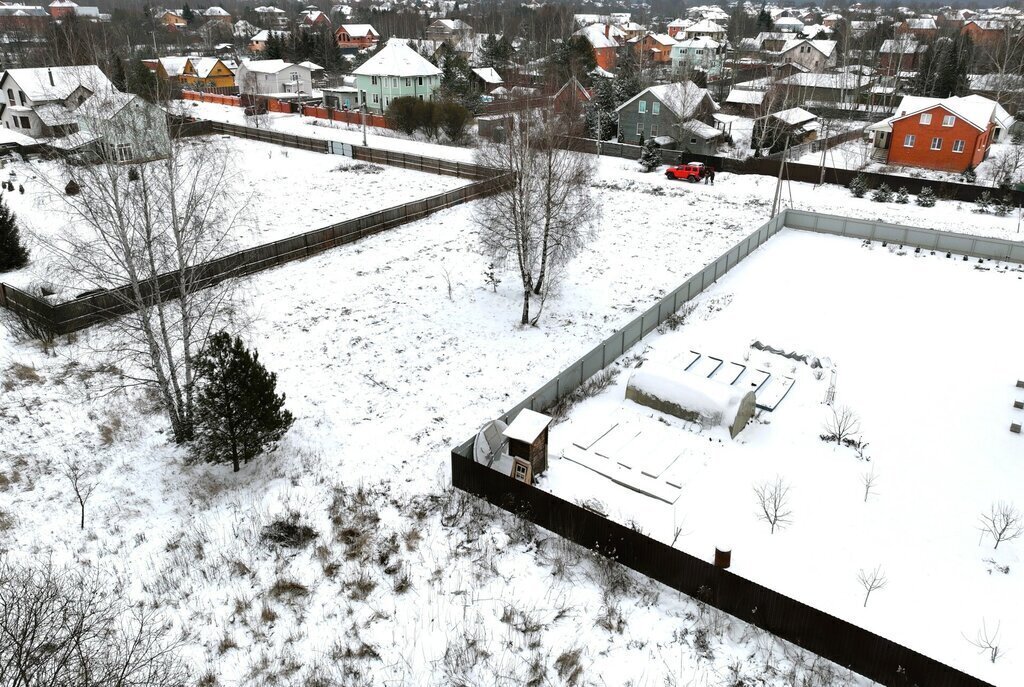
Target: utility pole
(363, 113)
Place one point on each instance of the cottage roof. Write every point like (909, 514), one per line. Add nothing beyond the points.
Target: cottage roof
(527, 426)
(826, 48)
(987, 24)
(681, 98)
(265, 35)
(662, 38)
(705, 26)
(203, 65)
(397, 59)
(452, 24)
(701, 130)
(311, 66)
(488, 75)
(266, 66)
(42, 84)
(738, 97)
(837, 81)
(360, 30)
(794, 116)
(976, 110)
(595, 35)
(700, 43)
(216, 12)
(904, 45)
(926, 24)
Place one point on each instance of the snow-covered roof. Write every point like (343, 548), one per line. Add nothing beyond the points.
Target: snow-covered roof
(527, 426)
(704, 26)
(838, 81)
(269, 9)
(788, 21)
(311, 66)
(826, 48)
(173, 65)
(216, 12)
(203, 65)
(54, 114)
(904, 45)
(397, 59)
(266, 66)
(794, 116)
(595, 35)
(997, 82)
(976, 110)
(360, 30)
(662, 38)
(988, 24)
(311, 16)
(680, 23)
(701, 130)
(921, 24)
(738, 97)
(41, 84)
(452, 24)
(264, 35)
(488, 75)
(681, 98)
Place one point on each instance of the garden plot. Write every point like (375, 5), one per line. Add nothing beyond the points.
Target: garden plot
(275, 192)
(927, 352)
(385, 369)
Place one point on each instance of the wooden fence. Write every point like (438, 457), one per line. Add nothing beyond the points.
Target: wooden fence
(811, 174)
(837, 640)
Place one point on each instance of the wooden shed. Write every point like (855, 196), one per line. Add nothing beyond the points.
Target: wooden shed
(528, 444)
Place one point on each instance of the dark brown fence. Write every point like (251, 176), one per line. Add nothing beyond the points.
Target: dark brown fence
(27, 307)
(841, 642)
(811, 174)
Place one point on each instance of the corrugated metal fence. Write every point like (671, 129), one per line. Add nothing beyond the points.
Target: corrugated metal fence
(837, 640)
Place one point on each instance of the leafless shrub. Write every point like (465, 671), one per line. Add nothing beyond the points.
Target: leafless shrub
(285, 588)
(568, 666)
(869, 480)
(1003, 522)
(81, 484)
(871, 580)
(288, 531)
(987, 641)
(267, 614)
(361, 587)
(588, 389)
(226, 644)
(610, 618)
(677, 319)
(841, 425)
(64, 627)
(773, 503)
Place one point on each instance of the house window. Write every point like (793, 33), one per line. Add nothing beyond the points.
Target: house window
(909, 140)
(643, 107)
(948, 120)
(693, 140)
(520, 472)
(639, 128)
(936, 143)
(654, 130)
(373, 80)
(408, 82)
(123, 152)
(926, 118)
(10, 96)
(655, 108)
(958, 146)
(394, 82)
(376, 98)
(420, 81)
(21, 95)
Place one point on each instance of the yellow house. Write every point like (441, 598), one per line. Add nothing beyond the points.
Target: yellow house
(172, 19)
(207, 72)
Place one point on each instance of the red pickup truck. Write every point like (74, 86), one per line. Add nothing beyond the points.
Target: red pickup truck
(694, 171)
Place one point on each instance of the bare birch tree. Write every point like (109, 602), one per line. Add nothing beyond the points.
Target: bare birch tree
(773, 503)
(871, 580)
(869, 479)
(150, 209)
(1003, 522)
(546, 214)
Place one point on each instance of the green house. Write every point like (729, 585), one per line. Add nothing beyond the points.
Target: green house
(395, 71)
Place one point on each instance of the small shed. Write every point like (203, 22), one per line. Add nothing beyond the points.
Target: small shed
(528, 444)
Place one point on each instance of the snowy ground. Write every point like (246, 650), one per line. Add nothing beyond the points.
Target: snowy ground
(928, 359)
(849, 155)
(385, 372)
(276, 192)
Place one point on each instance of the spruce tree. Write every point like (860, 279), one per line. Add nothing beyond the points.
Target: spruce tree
(239, 413)
(12, 253)
(882, 194)
(984, 203)
(859, 186)
(650, 158)
(601, 119)
(627, 76)
(1004, 206)
(926, 198)
(902, 196)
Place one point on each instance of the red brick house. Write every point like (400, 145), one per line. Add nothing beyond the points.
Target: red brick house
(605, 40)
(901, 54)
(654, 47)
(984, 33)
(948, 134)
(356, 36)
(922, 29)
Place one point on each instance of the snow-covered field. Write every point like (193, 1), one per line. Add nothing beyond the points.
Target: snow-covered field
(926, 354)
(386, 368)
(275, 192)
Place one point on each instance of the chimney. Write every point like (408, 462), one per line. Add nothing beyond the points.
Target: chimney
(49, 73)
(607, 29)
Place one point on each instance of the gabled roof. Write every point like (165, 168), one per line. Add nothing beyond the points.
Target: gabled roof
(699, 43)
(837, 81)
(359, 30)
(680, 23)
(311, 66)
(662, 38)
(265, 34)
(452, 24)
(794, 116)
(987, 24)
(904, 45)
(203, 65)
(266, 66)
(738, 97)
(701, 130)
(216, 12)
(921, 24)
(976, 110)
(681, 98)
(826, 48)
(488, 75)
(704, 26)
(43, 84)
(397, 59)
(595, 35)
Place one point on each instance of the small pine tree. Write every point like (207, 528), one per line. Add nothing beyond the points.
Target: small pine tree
(12, 253)
(491, 276)
(926, 198)
(859, 186)
(882, 194)
(984, 203)
(902, 196)
(970, 176)
(239, 413)
(1004, 206)
(650, 158)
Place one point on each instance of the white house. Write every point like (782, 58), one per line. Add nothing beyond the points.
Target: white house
(39, 102)
(395, 71)
(698, 53)
(122, 127)
(705, 29)
(265, 77)
(815, 56)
